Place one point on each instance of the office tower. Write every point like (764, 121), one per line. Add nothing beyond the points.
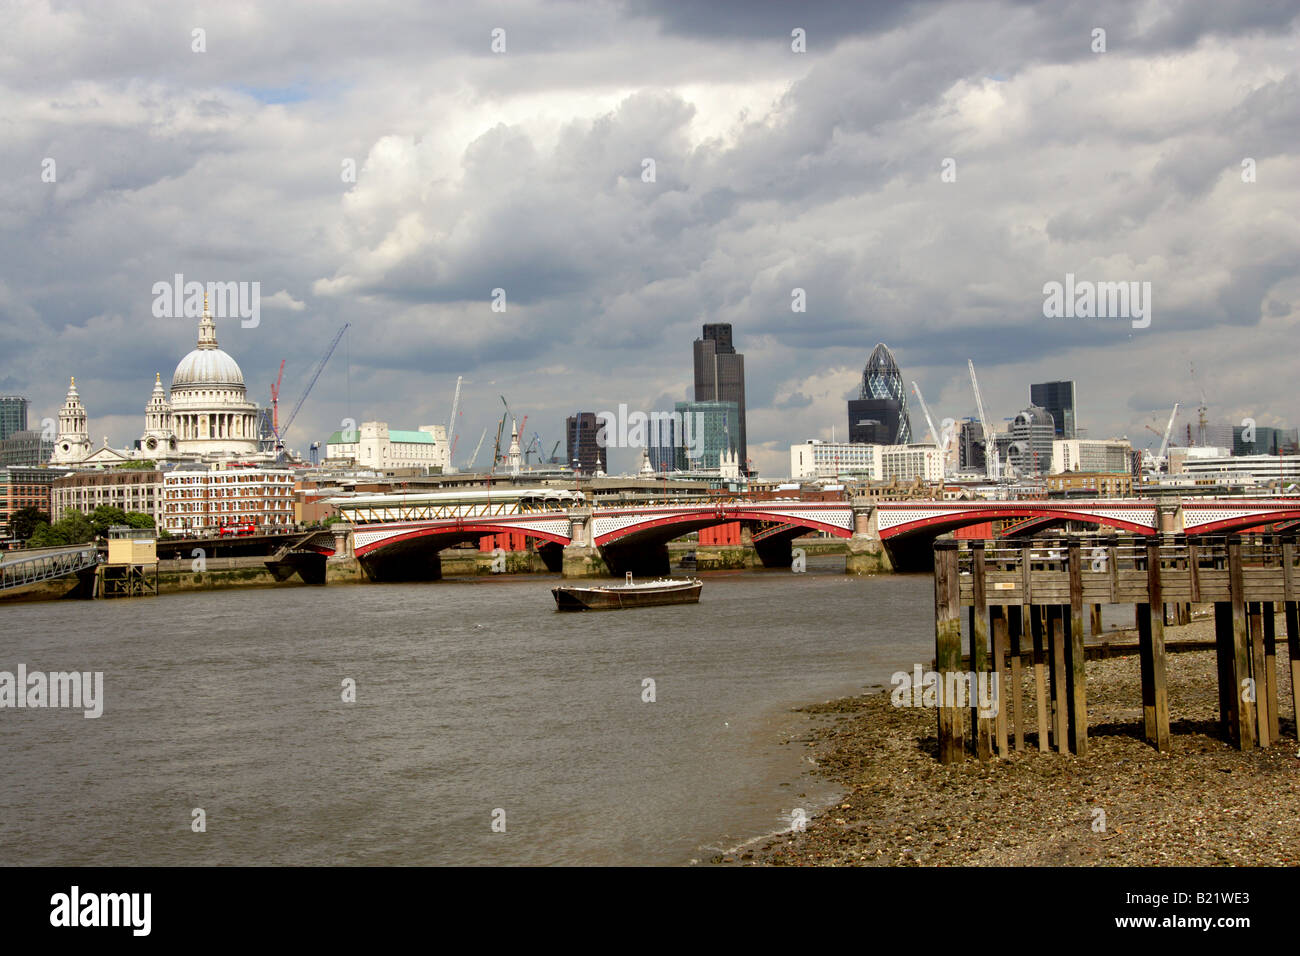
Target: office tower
(708, 430)
(1030, 449)
(580, 431)
(1058, 399)
(720, 377)
(970, 447)
(13, 415)
(879, 414)
(663, 441)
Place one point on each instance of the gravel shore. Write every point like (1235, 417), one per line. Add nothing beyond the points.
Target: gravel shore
(1203, 804)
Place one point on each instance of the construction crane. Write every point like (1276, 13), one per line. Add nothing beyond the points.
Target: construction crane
(477, 448)
(1164, 442)
(990, 445)
(320, 367)
(451, 422)
(554, 452)
(926, 411)
(275, 404)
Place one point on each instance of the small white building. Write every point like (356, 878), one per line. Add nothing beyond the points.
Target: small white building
(375, 445)
(909, 462)
(827, 459)
(1091, 454)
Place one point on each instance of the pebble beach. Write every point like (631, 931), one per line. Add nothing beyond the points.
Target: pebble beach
(1202, 804)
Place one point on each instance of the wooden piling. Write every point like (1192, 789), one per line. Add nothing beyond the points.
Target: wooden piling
(1038, 625)
(1060, 693)
(1270, 670)
(1076, 676)
(1151, 654)
(1243, 734)
(1292, 616)
(981, 727)
(1016, 617)
(947, 648)
(1259, 671)
(999, 629)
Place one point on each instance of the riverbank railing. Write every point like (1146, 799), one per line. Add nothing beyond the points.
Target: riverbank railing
(1026, 602)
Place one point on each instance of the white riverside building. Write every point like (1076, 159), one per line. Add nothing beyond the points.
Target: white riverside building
(1091, 455)
(375, 445)
(823, 459)
(1245, 469)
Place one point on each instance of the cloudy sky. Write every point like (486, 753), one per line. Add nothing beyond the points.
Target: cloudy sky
(774, 170)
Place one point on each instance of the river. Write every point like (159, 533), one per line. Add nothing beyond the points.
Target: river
(473, 696)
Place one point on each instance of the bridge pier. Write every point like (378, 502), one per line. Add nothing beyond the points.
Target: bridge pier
(867, 553)
(581, 558)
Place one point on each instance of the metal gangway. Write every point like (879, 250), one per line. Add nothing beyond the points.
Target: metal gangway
(19, 569)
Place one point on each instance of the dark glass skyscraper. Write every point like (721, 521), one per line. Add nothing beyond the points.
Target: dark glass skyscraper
(720, 377)
(581, 430)
(1057, 398)
(879, 415)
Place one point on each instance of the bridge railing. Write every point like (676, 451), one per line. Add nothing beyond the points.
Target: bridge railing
(1098, 554)
(32, 569)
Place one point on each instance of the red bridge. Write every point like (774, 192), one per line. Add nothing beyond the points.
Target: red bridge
(411, 529)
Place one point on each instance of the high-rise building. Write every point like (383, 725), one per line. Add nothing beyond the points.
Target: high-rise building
(720, 377)
(29, 449)
(1030, 449)
(708, 431)
(1268, 441)
(584, 447)
(970, 447)
(13, 415)
(663, 442)
(1058, 399)
(879, 414)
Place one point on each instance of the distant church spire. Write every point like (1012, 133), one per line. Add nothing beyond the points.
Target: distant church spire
(207, 330)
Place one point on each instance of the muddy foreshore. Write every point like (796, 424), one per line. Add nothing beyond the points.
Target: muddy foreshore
(1203, 804)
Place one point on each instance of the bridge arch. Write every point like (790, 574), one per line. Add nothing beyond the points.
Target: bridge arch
(410, 552)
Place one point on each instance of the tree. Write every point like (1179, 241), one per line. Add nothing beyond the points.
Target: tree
(104, 517)
(75, 526)
(138, 519)
(23, 522)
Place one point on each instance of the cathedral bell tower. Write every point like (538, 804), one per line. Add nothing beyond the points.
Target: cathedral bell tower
(73, 443)
(158, 440)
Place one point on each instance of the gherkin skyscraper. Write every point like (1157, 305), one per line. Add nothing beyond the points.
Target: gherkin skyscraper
(879, 415)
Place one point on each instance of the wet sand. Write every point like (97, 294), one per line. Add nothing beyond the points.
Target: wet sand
(1203, 804)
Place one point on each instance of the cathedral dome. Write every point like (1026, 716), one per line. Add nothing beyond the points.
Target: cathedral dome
(209, 367)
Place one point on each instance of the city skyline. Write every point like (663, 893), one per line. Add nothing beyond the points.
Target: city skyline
(774, 171)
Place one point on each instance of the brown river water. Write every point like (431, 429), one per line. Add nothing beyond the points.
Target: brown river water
(472, 696)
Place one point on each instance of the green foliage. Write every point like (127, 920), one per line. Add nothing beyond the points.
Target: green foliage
(138, 519)
(72, 528)
(24, 521)
(146, 465)
(104, 517)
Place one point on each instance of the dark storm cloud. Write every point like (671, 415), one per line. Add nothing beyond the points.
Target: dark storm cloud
(774, 170)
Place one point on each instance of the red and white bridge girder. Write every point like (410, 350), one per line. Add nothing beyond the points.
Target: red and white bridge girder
(891, 519)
